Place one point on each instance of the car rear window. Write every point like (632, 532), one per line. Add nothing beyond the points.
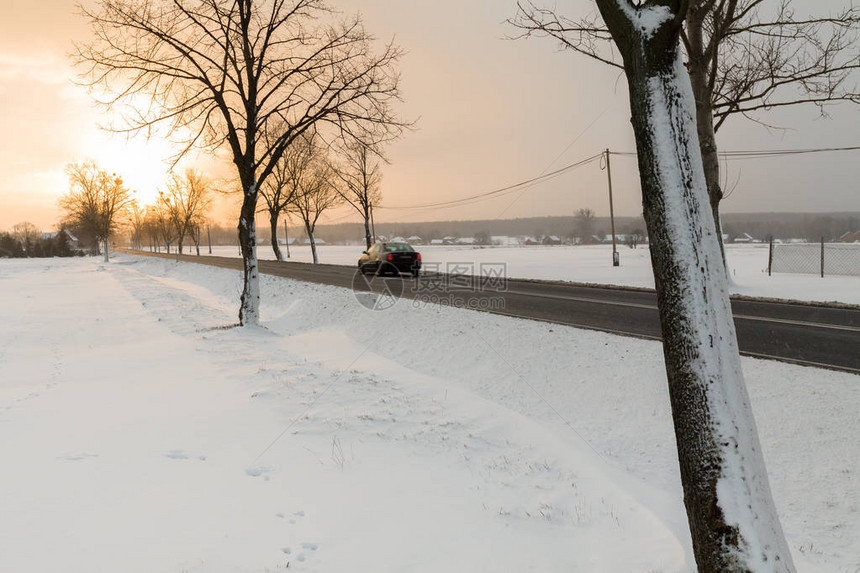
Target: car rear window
(398, 248)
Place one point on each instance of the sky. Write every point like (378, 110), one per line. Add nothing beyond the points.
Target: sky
(489, 111)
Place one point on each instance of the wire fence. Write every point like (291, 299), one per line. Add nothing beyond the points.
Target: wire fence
(815, 258)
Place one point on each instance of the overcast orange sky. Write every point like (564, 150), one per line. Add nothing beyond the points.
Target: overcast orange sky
(491, 112)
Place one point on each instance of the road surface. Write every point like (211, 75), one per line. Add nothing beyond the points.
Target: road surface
(808, 334)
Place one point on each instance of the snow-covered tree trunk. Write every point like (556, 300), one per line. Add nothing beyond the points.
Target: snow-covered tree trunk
(730, 509)
(698, 70)
(107, 251)
(249, 307)
(367, 237)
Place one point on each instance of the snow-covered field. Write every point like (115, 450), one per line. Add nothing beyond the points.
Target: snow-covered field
(140, 435)
(593, 264)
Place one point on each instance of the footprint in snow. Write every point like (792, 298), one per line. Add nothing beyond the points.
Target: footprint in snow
(182, 455)
(76, 457)
(259, 471)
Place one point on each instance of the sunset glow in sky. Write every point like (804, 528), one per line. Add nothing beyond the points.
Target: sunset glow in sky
(491, 112)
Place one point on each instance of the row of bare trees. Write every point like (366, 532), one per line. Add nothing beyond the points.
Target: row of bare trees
(179, 214)
(248, 76)
(98, 205)
(312, 178)
(265, 78)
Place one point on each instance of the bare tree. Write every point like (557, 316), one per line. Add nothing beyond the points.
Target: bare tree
(316, 194)
(229, 71)
(283, 186)
(137, 219)
(27, 234)
(360, 179)
(96, 201)
(743, 57)
(161, 222)
(186, 199)
(730, 509)
(585, 224)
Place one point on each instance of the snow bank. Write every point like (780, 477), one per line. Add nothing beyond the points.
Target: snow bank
(145, 436)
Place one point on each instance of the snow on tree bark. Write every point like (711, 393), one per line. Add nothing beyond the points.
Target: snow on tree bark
(249, 308)
(723, 461)
(730, 509)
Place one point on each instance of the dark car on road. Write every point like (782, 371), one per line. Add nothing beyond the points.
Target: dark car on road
(390, 258)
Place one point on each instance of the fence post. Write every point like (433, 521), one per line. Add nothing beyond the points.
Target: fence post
(822, 257)
(770, 258)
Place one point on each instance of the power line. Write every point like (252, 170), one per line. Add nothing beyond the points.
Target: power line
(525, 185)
(497, 192)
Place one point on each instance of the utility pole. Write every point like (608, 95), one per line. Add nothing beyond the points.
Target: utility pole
(209, 238)
(615, 257)
(372, 224)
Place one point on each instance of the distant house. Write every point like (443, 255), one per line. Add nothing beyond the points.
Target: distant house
(70, 239)
(415, 240)
(449, 240)
(551, 240)
(397, 240)
(437, 241)
(529, 240)
(465, 241)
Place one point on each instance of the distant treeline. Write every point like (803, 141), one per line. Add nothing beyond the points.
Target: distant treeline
(563, 227)
(761, 226)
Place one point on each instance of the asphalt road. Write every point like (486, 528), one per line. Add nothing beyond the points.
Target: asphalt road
(809, 334)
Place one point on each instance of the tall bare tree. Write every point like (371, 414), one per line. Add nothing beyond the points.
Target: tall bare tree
(187, 198)
(743, 56)
(284, 185)
(730, 509)
(137, 219)
(229, 71)
(316, 194)
(96, 202)
(360, 182)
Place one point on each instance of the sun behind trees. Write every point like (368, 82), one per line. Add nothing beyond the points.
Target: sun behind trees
(248, 76)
